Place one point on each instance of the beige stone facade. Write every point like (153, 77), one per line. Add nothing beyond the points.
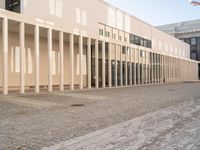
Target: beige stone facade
(73, 44)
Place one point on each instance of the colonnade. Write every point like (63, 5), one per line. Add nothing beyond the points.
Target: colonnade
(127, 65)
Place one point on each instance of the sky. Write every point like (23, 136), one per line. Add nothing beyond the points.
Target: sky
(159, 12)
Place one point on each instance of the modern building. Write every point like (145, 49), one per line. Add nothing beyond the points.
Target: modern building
(189, 32)
(85, 44)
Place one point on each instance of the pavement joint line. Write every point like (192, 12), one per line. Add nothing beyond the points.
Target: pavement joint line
(99, 89)
(92, 135)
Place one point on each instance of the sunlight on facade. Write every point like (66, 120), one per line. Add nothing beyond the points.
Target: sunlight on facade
(56, 8)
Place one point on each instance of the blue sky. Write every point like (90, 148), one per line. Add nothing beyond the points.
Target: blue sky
(159, 12)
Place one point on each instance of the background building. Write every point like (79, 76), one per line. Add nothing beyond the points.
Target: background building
(189, 32)
(59, 44)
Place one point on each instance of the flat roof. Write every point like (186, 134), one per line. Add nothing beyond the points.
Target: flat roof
(181, 27)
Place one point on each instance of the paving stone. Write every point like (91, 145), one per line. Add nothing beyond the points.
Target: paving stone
(33, 128)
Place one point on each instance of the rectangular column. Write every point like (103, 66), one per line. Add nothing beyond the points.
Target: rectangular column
(80, 62)
(121, 70)
(22, 56)
(166, 69)
(146, 68)
(161, 67)
(159, 73)
(130, 65)
(156, 68)
(138, 67)
(169, 70)
(5, 55)
(135, 67)
(172, 66)
(180, 71)
(116, 76)
(103, 65)
(172, 69)
(109, 65)
(49, 60)
(37, 58)
(61, 49)
(152, 68)
(97, 63)
(71, 61)
(142, 69)
(89, 62)
(149, 69)
(126, 68)
(142, 72)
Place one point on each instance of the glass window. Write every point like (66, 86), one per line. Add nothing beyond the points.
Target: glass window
(149, 45)
(187, 41)
(141, 53)
(137, 40)
(134, 39)
(141, 41)
(120, 38)
(194, 55)
(108, 34)
(123, 50)
(193, 41)
(101, 32)
(125, 39)
(131, 38)
(105, 33)
(193, 48)
(145, 43)
(13, 5)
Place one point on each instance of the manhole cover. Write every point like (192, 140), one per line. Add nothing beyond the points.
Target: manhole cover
(171, 90)
(77, 105)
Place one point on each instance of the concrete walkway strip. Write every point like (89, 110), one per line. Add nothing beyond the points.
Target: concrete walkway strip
(82, 96)
(32, 103)
(137, 133)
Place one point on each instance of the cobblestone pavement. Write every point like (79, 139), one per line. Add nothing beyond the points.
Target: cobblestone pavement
(176, 127)
(36, 121)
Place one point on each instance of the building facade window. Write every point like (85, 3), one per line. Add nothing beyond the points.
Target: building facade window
(137, 40)
(193, 55)
(13, 5)
(125, 39)
(107, 34)
(123, 50)
(120, 38)
(187, 41)
(193, 41)
(114, 36)
(101, 32)
(141, 53)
